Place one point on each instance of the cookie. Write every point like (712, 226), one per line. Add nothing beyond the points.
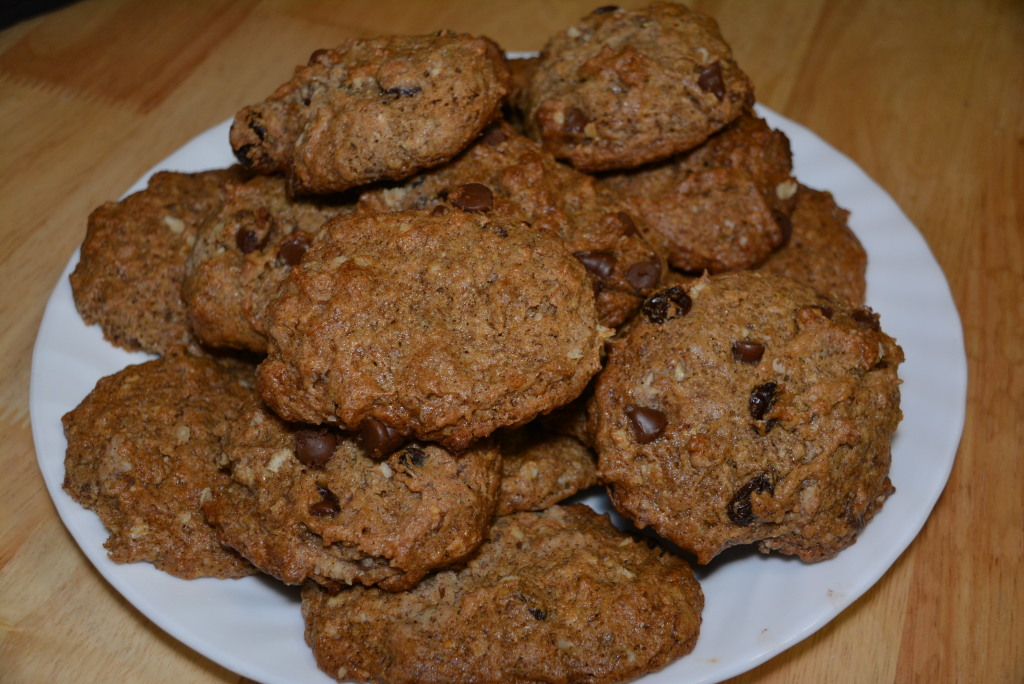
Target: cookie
(310, 503)
(443, 326)
(822, 251)
(622, 88)
(557, 596)
(540, 468)
(749, 409)
(724, 206)
(144, 450)
(128, 279)
(374, 109)
(241, 254)
(525, 182)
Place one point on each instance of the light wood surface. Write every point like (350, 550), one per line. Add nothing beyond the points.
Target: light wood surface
(928, 97)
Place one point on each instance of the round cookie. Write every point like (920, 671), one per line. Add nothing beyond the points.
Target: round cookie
(723, 206)
(540, 468)
(623, 88)
(242, 252)
(445, 326)
(557, 596)
(374, 109)
(128, 279)
(144, 450)
(822, 251)
(525, 182)
(309, 503)
(748, 408)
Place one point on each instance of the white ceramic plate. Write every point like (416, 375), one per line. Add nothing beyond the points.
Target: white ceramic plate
(756, 606)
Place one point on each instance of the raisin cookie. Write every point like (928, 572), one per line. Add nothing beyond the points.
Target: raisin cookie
(748, 408)
(445, 326)
(144, 450)
(623, 88)
(557, 596)
(311, 503)
(242, 252)
(540, 468)
(128, 280)
(723, 206)
(523, 181)
(822, 250)
(374, 109)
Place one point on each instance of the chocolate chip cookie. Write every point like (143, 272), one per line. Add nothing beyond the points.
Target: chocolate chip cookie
(723, 206)
(312, 503)
(144, 450)
(822, 250)
(523, 181)
(443, 326)
(557, 596)
(242, 252)
(541, 467)
(622, 88)
(748, 408)
(373, 109)
(128, 280)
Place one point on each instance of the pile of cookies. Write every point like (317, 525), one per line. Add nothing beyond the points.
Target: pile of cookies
(444, 291)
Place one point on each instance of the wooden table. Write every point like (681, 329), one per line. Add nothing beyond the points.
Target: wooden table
(926, 96)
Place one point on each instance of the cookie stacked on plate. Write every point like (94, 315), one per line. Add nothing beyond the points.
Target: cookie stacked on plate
(441, 293)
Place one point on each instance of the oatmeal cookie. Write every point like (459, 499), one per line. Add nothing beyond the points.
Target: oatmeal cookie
(557, 596)
(374, 109)
(523, 181)
(748, 408)
(822, 250)
(311, 503)
(445, 326)
(242, 252)
(540, 468)
(622, 88)
(723, 206)
(143, 451)
(128, 280)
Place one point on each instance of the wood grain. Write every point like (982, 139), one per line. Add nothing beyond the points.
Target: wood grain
(928, 97)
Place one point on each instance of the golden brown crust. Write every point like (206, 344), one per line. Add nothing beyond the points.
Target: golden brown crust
(143, 452)
(748, 408)
(445, 327)
(557, 596)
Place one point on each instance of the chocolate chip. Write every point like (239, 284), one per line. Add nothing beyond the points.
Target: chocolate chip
(494, 136)
(248, 240)
(747, 351)
(472, 198)
(439, 210)
(291, 251)
(761, 399)
(598, 263)
(379, 439)
(575, 121)
(648, 423)
(866, 318)
(670, 303)
(606, 9)
(242, 155)
(710, 80)
(645, 275)
(314, 448)
(740, 510)
(327, 507)
(414, 455)
(785, 225)
(403, 91)
(321, 56)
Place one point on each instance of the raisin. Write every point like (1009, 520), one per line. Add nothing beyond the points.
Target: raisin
(740, 510)
(761, 399)
(670, 303)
